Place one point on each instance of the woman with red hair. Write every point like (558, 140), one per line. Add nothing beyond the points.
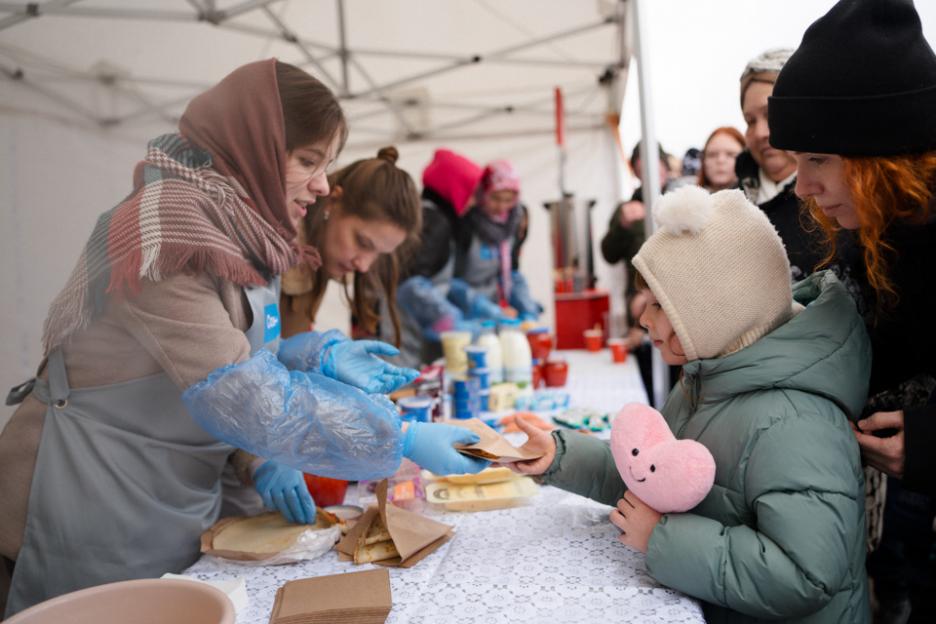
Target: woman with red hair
(863, 131)
(718, 159)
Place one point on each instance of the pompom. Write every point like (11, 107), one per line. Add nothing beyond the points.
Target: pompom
(684, 211)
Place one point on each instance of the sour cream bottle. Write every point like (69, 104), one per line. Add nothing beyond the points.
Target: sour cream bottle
(515, 349)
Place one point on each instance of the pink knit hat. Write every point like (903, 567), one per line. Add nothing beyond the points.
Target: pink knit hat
(452, 176)
(500, 175)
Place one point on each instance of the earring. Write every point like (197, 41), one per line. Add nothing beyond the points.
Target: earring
(326, 214)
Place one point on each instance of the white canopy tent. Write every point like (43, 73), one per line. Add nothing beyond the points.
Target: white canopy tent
(87, 82)
(84, 83)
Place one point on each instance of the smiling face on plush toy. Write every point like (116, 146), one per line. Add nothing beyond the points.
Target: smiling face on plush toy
(669, 475)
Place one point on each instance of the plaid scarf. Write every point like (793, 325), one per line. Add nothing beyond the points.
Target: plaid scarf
(181, 216)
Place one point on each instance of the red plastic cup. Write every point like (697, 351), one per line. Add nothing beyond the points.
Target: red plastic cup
(618, 350)
(539, 374)
(326, 491)
(541, 343)
(557, 372)
(593, 338)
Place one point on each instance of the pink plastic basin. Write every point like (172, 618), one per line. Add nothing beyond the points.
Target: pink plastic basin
(144, 601)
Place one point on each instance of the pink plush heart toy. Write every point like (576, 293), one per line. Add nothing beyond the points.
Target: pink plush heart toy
(669, 475)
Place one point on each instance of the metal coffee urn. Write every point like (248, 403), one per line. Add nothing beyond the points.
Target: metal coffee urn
(579, 306)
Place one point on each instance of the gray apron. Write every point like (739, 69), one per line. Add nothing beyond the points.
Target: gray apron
(480, 266)
(125, 481)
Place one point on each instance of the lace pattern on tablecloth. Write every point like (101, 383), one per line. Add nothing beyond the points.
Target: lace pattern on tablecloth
(554, 560)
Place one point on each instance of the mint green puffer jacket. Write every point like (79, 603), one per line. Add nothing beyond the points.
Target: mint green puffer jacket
(781, 536)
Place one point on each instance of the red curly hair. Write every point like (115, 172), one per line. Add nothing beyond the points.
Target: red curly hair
(883, 188)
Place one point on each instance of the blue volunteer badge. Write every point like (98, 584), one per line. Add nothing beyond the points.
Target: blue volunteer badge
(271, 322)
(487, 252)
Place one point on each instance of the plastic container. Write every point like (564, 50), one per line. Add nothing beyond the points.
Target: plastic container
(515, 350)
(142, 601)
(618, 350)
(483, 375)
(326, 491)
(405, 488)
(489, 340)
(453, 348)
(557, 373)
(541, 343)
(416, 408)
(593, 339)
(466, 398)
(477, 356)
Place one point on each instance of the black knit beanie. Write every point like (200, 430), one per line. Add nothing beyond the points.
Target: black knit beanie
(861, 83)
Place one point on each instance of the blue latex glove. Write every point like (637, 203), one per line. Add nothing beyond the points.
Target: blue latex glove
(521, 299)
(355, 362)
(484, 308)
(283, 489)
(472, 303)
(304, 351)
(430, 446)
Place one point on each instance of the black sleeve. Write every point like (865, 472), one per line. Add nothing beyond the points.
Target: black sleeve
(919, 441)
(435, 245)
(523, 227)
(622, 243)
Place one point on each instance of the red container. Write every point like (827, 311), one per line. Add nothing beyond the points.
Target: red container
(539, 374)
(593, 339)
(326, 491)
(618, 350)
(557, 372)
(541, 343)
(576, 312)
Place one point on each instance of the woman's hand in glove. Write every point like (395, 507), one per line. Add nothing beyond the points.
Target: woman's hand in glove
(430, 446)
(283, 489)
(355, 362)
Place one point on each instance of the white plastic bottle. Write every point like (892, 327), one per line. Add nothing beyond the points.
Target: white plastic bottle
(489, 340)
(515, 350)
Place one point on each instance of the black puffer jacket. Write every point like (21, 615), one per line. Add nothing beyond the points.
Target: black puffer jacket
(903, 340)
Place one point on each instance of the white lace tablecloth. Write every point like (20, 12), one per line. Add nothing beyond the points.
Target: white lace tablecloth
(554, 560)
(596, 382)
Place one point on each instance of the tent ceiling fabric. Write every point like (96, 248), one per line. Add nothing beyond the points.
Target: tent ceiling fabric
(406, 69)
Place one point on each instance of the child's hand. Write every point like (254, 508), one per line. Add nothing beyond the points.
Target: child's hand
(636, 521)
(537, 441)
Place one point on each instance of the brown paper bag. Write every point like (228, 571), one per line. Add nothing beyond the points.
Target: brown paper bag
(492, 446)
(412, 536)
(354, 596)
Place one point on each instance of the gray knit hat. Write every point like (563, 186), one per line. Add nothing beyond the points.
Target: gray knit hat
(764, 67)
(718, 268)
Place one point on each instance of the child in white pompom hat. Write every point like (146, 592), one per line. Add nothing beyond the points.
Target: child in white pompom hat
(770, 376)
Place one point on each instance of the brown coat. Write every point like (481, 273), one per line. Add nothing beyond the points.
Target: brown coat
(185, 326)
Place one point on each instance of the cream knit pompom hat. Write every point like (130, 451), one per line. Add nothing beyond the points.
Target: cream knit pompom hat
(718, 267)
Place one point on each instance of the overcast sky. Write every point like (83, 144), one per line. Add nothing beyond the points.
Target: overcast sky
(697, 50)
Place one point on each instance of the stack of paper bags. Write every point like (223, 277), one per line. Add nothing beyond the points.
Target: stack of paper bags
(353, 598)
(390, 536)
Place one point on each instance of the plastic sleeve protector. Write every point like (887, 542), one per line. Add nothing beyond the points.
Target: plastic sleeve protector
(304, 420)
